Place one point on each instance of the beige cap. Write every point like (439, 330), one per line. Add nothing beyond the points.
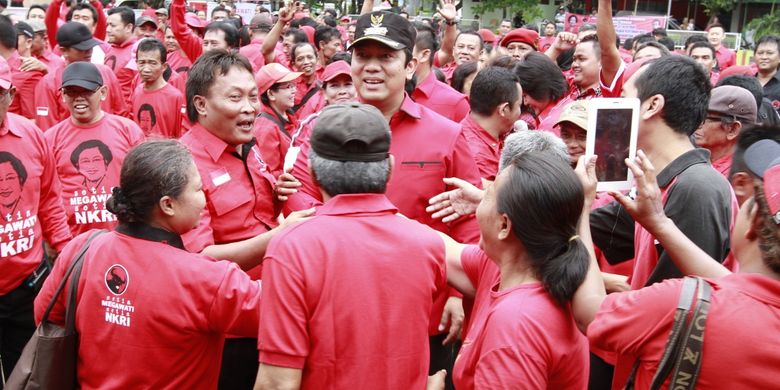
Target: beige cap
(577, 113)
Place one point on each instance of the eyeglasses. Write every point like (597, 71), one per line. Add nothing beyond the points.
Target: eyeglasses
(283, 86)
(74, 93)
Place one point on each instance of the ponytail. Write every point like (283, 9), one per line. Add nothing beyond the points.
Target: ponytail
(561, 275)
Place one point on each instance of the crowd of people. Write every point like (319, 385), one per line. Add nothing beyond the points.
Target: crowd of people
(382, 202)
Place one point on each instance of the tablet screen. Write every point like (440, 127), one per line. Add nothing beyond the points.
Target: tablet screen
(613, 139)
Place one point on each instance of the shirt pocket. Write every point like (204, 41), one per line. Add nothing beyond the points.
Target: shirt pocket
(225, 199)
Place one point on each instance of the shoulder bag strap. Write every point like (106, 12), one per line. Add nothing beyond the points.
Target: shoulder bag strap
(307, 96)
(686, 370)
(278, 122)
(681, 313)
(77, 260)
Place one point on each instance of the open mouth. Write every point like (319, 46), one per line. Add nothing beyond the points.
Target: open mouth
(80, 108)
(246, 125)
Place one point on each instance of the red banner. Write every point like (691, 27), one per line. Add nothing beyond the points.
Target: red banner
(625, 26)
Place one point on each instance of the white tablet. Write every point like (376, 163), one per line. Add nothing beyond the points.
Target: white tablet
(612, 131)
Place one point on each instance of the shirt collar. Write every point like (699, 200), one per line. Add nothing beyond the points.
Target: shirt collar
(483, 134)
(145, 232)
(757, 286)
(681, 163)
(214, 146)
(346, 204)
(126, 43)
(409, 107)
(5, 128)
(426, 86)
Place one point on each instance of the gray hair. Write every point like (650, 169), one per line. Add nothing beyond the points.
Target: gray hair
(349, 177)
(532, 141)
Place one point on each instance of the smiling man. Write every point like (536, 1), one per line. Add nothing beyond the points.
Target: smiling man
(89, 148)
(157, 106)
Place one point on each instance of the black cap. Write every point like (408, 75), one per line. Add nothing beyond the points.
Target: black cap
(388, 28)
(24, 29)
(144, 20)
(75, 35)
(351, 132)
(82, 74)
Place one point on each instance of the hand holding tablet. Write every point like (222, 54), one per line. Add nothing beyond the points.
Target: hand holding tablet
(612, 133)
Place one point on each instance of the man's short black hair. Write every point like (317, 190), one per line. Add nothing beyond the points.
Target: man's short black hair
(298, 35)
(747, 137)
(474, 33)
(663, 49)
(693, 39)
(204, 73)
(685, 87)
(231, 32)
(219, 8)
(642, 38)
(7, 33)
(492, 87)
(426, 38)
(81, 6)
(768, 39)
(126, 14)
(329, 21)
(706, 45)
(325, 34)
(667, 42)
(541, 78)
(659, 32)
(152, 44)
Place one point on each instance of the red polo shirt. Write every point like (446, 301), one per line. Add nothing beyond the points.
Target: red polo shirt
(179, 62)
(89, 159)
(239, 191)
(272, 140)
(741, 328)
(160, 112)
(30, 207)
(25, 83)
(52, 61)
(342, 299)
(254, 53)
(726, 57)
(519, 335)
(51, 109)
(167, 309)
(485, 148)
(117, 59)
(723, 165)
(441, 98)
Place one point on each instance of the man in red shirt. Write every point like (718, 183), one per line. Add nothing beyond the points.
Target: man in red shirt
(89, 14)
(520, 42)
(726, 57)
(89, 148)
(355, 313)
(39, 47)
(430, 92)
(121, 23)
(31, 212)
(27, 71)
(158, 107)
(730, 110)
(76, 44)
(241, 214)
(327, 41)
(259, 26)
(427, 148)
(497, 99)
(177, 60)
(705, 55)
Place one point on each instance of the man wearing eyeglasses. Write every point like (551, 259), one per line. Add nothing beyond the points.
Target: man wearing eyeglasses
(30, 212)
(76, 44)
(89, 148)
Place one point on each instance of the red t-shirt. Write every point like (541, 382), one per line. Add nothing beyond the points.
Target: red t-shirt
(89, 159)
(517, 336)
(190, 43)
(179, 62)
(51, 109)
(160, 112)
(345, 303)
(116, 59)
(30, 207)
(25, 83)
(254, 53)
(723, 165)
(271, 140)
(485, 148)
(740, 332)
(441, 98)
(151, 315)
(726, 57)
(238, 206)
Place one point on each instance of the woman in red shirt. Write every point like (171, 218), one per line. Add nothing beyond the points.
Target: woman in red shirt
(150, 314)
(522, 276)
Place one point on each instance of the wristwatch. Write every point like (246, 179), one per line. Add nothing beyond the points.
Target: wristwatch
(452, 22)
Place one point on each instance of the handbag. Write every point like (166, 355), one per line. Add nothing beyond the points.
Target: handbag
(682, 355)
(48, 361)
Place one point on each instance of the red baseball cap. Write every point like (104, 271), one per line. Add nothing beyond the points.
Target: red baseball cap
(194, 21)
(763, 160)
(336, 68)
(274, 73)
(487, 36)
(736, 70)
(524, 35)
(5, 74)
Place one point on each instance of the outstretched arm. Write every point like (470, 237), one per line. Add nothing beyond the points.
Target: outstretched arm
(610, 56)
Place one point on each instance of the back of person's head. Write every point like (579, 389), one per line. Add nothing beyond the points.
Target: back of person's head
(541, 78)
(747, 82)
(231, 32)
(693, 39)
(462, 72)
(204, 72)
(307, 21)
(587, 27)
(150, 171)
(543, 199)
(492, 87)
(685, 88)
(125, 13)
(504, 61)
(667, 42)
(521, 142)
(764, 167)
(298, 35)
(426, 38)
(628, 44)
(748, 137)
(325, 34)
(151, 44)
(7, 33)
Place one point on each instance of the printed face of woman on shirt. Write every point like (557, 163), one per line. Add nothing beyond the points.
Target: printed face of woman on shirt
(10, 185)
(92, 165)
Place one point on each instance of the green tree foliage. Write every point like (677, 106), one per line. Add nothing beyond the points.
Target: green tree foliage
(768, 24)
(715, 7)
(528, 8)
